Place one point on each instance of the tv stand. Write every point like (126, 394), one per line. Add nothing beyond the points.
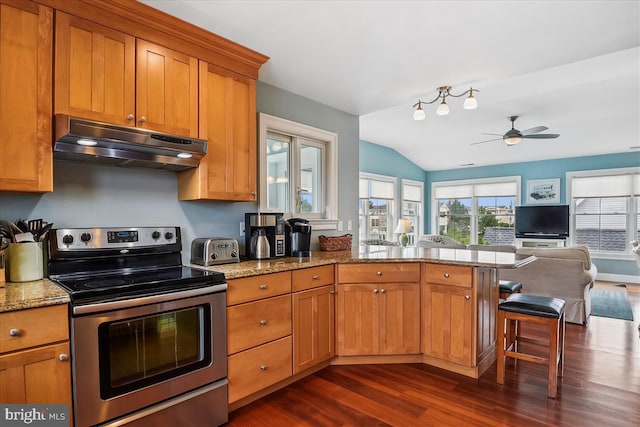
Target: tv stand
(539, 243)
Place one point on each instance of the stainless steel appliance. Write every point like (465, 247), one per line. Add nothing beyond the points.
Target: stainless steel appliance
(148, 335)
(214, 250)
(260, 225)
(298, 237)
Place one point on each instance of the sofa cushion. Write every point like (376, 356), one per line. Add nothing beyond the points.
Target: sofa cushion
(580, 253)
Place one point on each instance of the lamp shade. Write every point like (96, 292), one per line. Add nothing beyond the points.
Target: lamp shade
(403, 226)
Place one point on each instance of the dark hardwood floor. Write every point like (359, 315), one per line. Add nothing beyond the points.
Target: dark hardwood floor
(600, 387)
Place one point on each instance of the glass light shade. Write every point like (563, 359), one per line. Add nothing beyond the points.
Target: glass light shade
(419, 114)
(512, 140)
(443, 109)
(470, 103)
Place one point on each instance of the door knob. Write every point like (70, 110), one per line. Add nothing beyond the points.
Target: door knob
(142, 119)
(14, 332)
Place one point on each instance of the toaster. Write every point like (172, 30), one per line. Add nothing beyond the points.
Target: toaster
(214, 250)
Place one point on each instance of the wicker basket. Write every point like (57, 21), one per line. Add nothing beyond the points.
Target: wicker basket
(335, 243)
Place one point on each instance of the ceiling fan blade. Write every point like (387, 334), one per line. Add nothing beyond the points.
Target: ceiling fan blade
(495, 134)
(542, 136)
(534, 130)
(490, 140)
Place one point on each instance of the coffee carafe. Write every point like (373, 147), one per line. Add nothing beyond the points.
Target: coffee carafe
(260, 247)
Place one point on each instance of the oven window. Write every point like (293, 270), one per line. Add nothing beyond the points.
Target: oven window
(138, 352)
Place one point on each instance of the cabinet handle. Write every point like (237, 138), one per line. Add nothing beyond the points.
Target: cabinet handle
(382, 291)
(379, 273)
(63, 357)
(467, 297)
(263, 367)
(263, 323)
(446, 275)
(375, 291)
(253, 193)
(263, 287)
(130, 117)
(332, 292)
(14, 332)
(142, 119)
(315, 277)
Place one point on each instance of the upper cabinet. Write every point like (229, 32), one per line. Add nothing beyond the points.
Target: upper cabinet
(26, 34)
(106, 75)
(228, 123)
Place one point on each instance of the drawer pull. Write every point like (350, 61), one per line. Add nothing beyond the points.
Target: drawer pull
(263, 323)
(130, 117)
(379, 273)
(63, 357)
(263, 367)
(467, 297)
(315, 277)
(142, 119)
(263, 287)
(446, 275)
(14, 332)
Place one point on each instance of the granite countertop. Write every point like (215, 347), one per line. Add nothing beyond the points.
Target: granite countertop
(39, 293)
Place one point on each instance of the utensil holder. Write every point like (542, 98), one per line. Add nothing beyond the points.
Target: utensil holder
(25, 262)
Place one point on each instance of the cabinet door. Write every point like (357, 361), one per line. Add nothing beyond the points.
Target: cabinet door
(37, 376)
(166, 90)
(313, 327)
(399, 308)
(95, 71)
(228, 123)
(357, 320)
(448, 323)
(26, 34)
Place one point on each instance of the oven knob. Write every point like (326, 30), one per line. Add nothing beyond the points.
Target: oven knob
(67, 239)
(168, 235)
(85, 237)
(155, 235)
(234, 254)
(214, 255)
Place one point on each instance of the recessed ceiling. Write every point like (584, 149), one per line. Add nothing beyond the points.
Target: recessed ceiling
(572, 66)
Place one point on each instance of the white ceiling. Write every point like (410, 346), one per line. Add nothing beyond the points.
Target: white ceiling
(573, 66)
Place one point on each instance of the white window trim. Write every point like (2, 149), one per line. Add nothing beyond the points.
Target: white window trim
(474, 207)
(420, 184)
(572, 217)
(385, 178)
(268, 123)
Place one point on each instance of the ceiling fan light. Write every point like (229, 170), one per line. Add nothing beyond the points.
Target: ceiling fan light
(419, 114)
(443, 109)
(513, 139)
(470, 103)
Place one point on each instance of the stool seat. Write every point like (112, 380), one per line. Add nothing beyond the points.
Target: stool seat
(534, 305)
(509, 286)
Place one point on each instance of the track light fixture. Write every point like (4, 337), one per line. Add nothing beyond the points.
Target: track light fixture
(443, 109)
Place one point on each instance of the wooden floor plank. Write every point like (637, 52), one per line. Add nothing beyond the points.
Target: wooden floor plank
(600, 388)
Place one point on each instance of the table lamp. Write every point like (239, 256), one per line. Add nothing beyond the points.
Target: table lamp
(403, 228)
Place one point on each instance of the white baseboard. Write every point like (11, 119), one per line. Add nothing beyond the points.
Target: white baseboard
(607, 277)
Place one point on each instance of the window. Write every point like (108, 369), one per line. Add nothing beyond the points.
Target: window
(376, 208)
(412, 192)
(476, 212)
(605, 209)
(298, 171)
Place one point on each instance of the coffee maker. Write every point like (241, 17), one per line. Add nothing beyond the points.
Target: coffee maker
(264, 235)
(298, 237)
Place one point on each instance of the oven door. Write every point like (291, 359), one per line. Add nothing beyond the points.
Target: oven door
(137, 355)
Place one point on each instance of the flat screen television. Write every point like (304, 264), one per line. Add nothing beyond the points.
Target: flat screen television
(544, 222)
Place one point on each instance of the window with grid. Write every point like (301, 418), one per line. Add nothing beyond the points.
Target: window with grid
(476, 212)
(605, 207)
(412, 193)
(376, 208)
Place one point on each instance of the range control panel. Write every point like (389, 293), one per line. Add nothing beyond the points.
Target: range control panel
(73, 239)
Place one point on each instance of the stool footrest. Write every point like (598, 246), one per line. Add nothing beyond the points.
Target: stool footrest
(527, 357)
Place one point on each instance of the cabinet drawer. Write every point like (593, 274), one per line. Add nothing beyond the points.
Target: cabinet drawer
(309, 278)
(257, 287)
(33, 327)
(379, 272)
(449, 275)
(252, 370)
(255, 323)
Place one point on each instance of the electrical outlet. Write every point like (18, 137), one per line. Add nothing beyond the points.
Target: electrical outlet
(349, 225)
(241, 228)
(339, 225)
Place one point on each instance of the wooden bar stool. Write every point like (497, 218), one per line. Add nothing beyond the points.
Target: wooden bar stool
(535, 309)
(508, 287)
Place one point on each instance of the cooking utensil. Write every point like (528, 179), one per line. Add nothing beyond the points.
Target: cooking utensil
(22, 225)
(42, 233)
(11, 229)
(34, 225)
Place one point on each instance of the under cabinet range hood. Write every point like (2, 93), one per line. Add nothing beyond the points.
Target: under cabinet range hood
(88, 140)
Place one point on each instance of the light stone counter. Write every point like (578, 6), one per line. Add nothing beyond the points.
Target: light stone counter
(39, 293)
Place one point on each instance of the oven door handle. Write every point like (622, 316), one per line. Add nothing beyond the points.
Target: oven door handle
(153, 299)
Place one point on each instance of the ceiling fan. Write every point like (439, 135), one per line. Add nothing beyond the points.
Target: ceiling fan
(513, 136)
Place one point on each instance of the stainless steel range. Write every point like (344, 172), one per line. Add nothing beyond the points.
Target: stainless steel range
(148, 335)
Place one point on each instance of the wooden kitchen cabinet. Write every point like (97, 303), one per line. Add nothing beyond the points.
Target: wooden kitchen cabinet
(227, 111)
(313, 316)
(34, 356)
(26, 49)
(106, 75)
(379, 318)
